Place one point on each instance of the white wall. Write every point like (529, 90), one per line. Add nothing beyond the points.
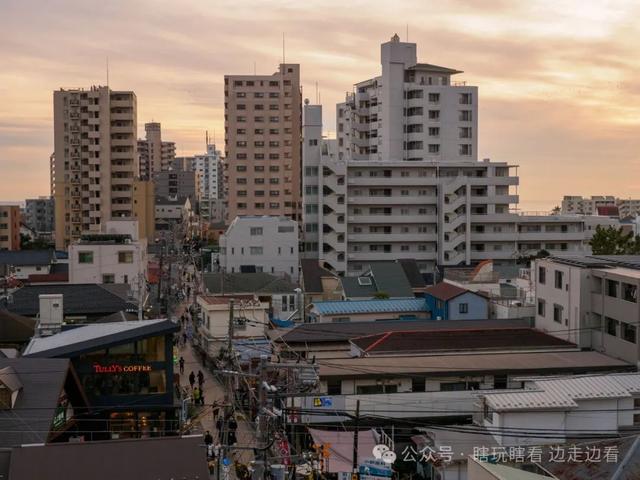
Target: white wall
(268, 243)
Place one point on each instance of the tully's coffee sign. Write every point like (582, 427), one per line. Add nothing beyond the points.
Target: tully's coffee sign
(117, 368)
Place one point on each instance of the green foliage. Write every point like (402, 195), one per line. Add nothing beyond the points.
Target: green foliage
(381, 296)
(38, 244)
(613, 241)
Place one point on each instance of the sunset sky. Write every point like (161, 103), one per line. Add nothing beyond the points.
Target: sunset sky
(559, 80)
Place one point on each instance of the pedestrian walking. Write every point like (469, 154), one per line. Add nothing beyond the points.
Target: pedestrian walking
(181, 362)
(192, 379)
(216, 411)
(208, 438)
(232, 426)
(201, 396)
(184, 338)
(220, 427)
(200, 379)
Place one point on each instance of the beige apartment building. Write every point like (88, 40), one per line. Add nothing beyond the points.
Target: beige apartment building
(9, 227)
(95, 159)
(262, 139)
(154, 154)
(144, 208)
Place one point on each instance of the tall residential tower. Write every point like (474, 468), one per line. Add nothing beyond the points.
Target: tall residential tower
(262, 138)
(154, 154)
(95, 159)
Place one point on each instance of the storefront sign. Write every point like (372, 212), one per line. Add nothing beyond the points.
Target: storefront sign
(117, 368)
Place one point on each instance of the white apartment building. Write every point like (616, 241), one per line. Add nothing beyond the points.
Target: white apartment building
(439, 213)
(571, 407)
(403, 181)
(591, 301)
(210, 171)
(117, 255)
(575, 204)
(95, 159)
(262, 244)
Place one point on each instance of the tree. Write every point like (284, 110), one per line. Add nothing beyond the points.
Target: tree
(556, 210)
(612, 241)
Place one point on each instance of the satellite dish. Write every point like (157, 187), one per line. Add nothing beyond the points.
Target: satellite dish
(306, 101)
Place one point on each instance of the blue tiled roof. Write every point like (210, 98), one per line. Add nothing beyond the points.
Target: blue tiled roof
(371, 306)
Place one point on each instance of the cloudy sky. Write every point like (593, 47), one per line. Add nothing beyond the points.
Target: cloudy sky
(559, 79)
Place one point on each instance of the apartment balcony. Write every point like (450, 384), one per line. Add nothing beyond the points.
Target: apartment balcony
(122, 129)
(392, 181)
(122, 155)
(393, 237)
(494, 218)
(74, 181)
(397, 218)
(481, 181)
(121, 180)
(386, 256)
(121, 142)
(394, 200)
(494, 199)
(551, 236)
(507, 236)
(121, 116)
(128, 103)
(121, 193)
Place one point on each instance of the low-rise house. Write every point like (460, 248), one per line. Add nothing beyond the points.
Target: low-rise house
(250, 320)
(382, 279)
(22, 263)
(81, 303)
(317, 283)
(278, 292)
(367, 310)
(106, 460)
(450, 302)
(37, 401)
(572, 407)
(15, 330)
(261, 244)
(117, 255)
(323, 340)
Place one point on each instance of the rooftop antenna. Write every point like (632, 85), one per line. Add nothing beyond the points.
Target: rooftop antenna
(107, 72)
(283, 51)
(254, 67)
(407, 31)
(317, 96)
(206, 138)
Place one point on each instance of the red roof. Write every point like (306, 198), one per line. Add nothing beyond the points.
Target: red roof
(445, 291)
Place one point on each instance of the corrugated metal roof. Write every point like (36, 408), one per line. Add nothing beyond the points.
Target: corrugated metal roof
(94, 335)
(371, 306)
(564, 391)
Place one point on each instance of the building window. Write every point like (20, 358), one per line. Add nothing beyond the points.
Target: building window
(541, 307)
(629, 292)
(611, 326)
(542, 275)
(108, 278)
(628, 332)
(557, 313)
(500, 382)
(612, 288)
(85, 257)
(255, 250)
(256, 231)
(463, 308)
(558, 275)
(334, 387)
(125, 257)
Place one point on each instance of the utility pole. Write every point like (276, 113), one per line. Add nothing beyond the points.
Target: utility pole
(228, 395)
(355, 441)
(262, 440)
(140, 295)
(161, 272)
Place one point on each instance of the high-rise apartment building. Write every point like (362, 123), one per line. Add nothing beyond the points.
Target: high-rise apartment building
(403, 180)
(154, 154)
(411, 112)
(178, 184)
(39, 215)
(10, 227)
(262, 141)
(95, 159)
(209, 168)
